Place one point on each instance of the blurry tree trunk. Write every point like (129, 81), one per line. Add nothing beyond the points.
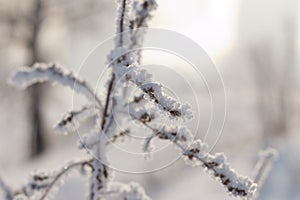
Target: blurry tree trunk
(270, 39)
(37, 140)
(268, 36)
(275, 82)
(33, 18)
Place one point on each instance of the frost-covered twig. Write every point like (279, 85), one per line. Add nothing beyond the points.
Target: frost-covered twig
(154, 92)
(100, 174)
(72, 119)
(263, 166)
(5, 191)
(57, 176)
(41, 72)
(99, 177)
(175, 109)
(219, 168)
(41, 183)
(130, 191)
(142, 13)
(107, 101)
(197, 154)
(152, 108)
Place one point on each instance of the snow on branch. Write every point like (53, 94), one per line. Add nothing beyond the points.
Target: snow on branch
(71, 120)
(266, 158)
(196, 153)
(130, 191)
(20, 197)
(175, 109)
(132, 16)
(99, 179)
(89, 140)
(154, 92)
(152, 108)
(41, 183)
(122, 22)
(101, 174)
(141, 14)
(178, 134)
(219, 168)
(42, 72)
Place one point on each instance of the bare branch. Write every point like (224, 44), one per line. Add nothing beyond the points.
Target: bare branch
(263, 166)
(197, 153)
(64, 171)
(72, 119)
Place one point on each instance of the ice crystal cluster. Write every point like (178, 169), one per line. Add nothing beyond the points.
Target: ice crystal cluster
(145, 108)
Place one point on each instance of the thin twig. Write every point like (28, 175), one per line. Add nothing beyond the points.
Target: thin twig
(105, 111)
(61, 173)
(263, 167)
(186, 152)
(111, 84)
(112, 80)
(122, 22)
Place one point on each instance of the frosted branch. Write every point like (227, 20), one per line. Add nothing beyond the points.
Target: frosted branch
(197, 154)
(20, 197)
(101, 174)
(44, 182)
(263, 166)
(99, 177)
(149, 107)
(131, 191)
(122, 22)
(41, 72)
(154, 93)
(98, 181)
(72, 119)
(141, 14)
(220, 169)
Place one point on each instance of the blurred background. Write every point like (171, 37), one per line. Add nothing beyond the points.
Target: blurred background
(254, 44)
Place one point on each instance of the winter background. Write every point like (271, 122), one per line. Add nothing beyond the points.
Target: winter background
(254, 44)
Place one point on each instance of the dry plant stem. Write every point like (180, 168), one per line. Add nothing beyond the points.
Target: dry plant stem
(112, 80)
(260, 172)
(155, 132)
(122, 22)
(62, 172)
(103, 128)
(105, 124)
(185, 152)
(178, 145)
(263, 169)
(105, 111)
(154, 103)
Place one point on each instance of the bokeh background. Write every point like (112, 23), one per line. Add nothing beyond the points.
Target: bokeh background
(253, 43)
